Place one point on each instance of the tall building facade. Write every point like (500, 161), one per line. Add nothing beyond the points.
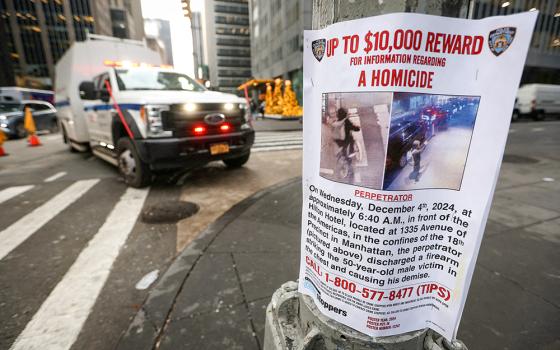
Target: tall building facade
(543, 59)
(277, 39)
(38, 32)
(228, 44)
(158, 38)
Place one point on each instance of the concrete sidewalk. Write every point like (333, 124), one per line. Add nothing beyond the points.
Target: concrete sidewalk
(214, 295)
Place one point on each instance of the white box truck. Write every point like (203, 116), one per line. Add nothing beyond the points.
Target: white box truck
(115, 98)
(536, 101)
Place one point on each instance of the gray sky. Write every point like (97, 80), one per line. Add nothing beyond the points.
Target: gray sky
(181, 35)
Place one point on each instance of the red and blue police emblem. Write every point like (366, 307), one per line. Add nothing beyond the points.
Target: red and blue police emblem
(318, 48)
(500, 39)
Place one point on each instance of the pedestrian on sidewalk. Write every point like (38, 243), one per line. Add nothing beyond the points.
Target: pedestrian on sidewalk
(417, 148)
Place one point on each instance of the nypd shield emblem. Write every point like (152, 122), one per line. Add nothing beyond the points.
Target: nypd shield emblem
(500, 39)
(318, 47)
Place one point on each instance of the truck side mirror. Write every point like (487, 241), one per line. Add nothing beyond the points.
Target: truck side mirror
(104, 95)
(87, 90)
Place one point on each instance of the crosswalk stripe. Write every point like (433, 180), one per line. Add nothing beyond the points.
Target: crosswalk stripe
(278, 141)
(279, 136)
(11, 192)
(276, 137)
(58, 322)
(265, 144)
(278, 148)
(18, 232)
(55, 176)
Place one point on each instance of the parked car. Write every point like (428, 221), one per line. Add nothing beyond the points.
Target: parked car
(404, 131)
(12, 116)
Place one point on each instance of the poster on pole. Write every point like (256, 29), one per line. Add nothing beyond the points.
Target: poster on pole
(405, 122)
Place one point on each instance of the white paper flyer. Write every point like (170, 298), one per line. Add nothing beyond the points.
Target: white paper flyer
(405, 123)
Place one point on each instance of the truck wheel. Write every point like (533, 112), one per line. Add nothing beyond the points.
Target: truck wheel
(237, 162)
(67, 141)
(135, 172)
(20, 131)
(539, 116)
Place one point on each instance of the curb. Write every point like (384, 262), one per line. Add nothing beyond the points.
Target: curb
(149, 324)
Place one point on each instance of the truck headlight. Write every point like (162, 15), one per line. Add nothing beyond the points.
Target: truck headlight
(246, 111)
(151, 114)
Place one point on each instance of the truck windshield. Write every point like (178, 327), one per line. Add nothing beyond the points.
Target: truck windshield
(150, 79)
(9, 107)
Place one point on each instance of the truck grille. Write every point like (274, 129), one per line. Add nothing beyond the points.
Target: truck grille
(182, 122)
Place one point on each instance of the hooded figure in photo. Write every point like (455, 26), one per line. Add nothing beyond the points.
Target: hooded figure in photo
(343, 128)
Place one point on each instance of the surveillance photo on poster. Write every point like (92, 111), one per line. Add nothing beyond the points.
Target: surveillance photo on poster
(396, 141)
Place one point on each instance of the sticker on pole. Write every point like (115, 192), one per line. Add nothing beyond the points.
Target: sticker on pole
(406, 119)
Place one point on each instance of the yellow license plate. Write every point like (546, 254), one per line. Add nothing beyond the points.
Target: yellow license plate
(219, 148)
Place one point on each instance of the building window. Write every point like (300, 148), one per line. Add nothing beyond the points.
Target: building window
(233, 41)
(234, 52)
(242, 31)
(293, 44)
(118, 19)
(232, 20)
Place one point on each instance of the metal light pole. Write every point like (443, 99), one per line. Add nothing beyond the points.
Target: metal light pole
(292, 320)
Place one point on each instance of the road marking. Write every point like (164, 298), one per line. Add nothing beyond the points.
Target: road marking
(537, 129)
(279, 148)
(22, 229)
(11, 192)
(277, 141)
(61, 317)
(55, 176)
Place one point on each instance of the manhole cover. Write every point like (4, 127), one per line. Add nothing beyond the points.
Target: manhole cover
(512, 158)
(170, 211)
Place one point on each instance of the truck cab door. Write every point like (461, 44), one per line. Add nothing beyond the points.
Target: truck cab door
(105, 112)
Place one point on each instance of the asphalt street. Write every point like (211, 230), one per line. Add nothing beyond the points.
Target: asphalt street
(76, 242)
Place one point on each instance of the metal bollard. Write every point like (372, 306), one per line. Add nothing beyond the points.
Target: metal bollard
(294, 322)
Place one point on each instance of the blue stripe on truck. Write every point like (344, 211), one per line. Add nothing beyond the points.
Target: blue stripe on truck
(62, 103)
(106, 107)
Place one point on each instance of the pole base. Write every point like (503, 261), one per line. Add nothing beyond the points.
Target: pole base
(294, 322)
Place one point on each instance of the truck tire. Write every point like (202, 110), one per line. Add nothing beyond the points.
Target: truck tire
(67, 141)
(237, 162)
(135, 172)
(539, 115)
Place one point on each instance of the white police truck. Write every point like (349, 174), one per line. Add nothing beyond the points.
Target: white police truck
(142, 117)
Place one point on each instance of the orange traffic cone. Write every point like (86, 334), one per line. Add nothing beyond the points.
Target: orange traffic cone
(2, 139)
(33, 141)
(29, 125)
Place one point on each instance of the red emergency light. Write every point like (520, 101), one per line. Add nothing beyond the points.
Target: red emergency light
(225, 127)
(199, 130)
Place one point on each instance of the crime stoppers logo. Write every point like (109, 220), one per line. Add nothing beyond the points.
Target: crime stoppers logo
(318, 47)
(500, 39)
